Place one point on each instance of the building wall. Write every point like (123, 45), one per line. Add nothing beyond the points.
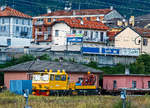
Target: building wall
(63, 30)
(13, 28)
(146, 48)
(128, 39)
(125, 82)
(14, 76)
(24, 76)
(113, 14)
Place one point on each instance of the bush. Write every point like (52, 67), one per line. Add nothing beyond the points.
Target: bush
(45, 57)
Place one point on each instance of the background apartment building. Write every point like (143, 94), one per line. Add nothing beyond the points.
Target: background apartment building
(15, 27)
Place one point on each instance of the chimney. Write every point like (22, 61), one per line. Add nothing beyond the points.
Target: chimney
(81, 22)
(74, 12)
(49, 10)
(97, 19)
(111, 8)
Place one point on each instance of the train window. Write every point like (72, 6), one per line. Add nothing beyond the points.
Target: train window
(52, 77)
(63, 77)
(57, 77)
(36, 77)
(45, 77)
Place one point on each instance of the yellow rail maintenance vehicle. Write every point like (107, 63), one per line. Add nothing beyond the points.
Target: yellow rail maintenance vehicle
(52, 83)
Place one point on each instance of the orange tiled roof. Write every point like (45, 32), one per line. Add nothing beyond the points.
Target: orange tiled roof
(79, 12)
(111, 34)
(143, 32)
(12, 12)
(76, 23)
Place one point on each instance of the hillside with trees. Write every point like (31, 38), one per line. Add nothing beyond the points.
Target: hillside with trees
(37, 7)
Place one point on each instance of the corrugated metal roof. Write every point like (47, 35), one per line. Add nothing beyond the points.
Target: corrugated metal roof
(41, 65)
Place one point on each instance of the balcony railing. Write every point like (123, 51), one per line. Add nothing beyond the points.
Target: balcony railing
(39, 23)
(39, 33)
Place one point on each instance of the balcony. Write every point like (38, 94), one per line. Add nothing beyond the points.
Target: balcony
(39, 23)
(39, 33)
(47, 33)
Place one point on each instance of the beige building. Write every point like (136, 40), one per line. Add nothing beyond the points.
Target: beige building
(133, 38)
(145, 33)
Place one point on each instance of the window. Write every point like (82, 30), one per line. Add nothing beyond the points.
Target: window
(148, 84)
(91, 35)
(22, 21)
(16, 21)
(3, 21)
(49, 19)
(54, 19)
(45, 77)
(17, 29)
(49, 30)
(80, 31)
(73, 31)
(40, 29)
(63, 77)
(3, 28)
(96, 34)
(57, 77)
(102, 36)
(88, 18)
(56, 33)
(36, 77)
(52, 77)
(85, 33)
(22, 29)
(8, 42)
(114, 84)
(28, 22)
(133, 84)
(145, 42)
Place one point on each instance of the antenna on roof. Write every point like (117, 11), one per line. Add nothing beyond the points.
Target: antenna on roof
(79, 4)
(68, 6)
(13, 6)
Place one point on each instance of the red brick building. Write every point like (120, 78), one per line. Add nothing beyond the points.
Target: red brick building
(24, 71)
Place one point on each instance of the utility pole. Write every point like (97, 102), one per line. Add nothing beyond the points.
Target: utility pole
(79, 5)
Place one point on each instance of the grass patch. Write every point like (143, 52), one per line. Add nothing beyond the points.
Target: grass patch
(9, 100)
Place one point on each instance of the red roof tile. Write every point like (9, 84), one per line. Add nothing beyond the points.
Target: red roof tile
(79, 12)
(143, 32)
(76, 23)
(12, 12)
(111, 34)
